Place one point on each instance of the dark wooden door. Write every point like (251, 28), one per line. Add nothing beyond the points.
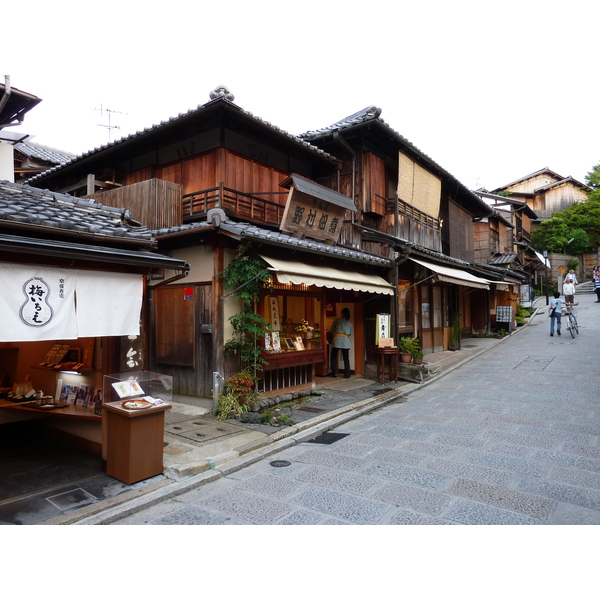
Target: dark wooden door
(183, 347)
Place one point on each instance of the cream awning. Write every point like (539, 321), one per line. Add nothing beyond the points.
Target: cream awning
(456, 276)
(298, 273)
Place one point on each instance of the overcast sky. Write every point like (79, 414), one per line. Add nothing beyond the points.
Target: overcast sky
(489, 91)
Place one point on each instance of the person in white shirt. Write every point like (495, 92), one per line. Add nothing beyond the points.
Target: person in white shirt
(571, 275)
(569, 291)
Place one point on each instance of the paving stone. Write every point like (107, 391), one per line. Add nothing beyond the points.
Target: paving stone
(502, 497)
(460, 469)
(588, 450)
(429, 449)
(458, 440)
(406, 517)
(343, 506)
(561, 492)
(338, 480)
(246, 506)
(405, 474)
(324, 456)
(271, 485)
(567, 460)
(569, 514)
(576, 477)
(192, 515)
(301, 517)
(468, 512)
(396, 457)
(412, 497)
(508, 463)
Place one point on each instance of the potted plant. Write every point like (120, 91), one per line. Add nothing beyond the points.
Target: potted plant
(455, 333)
(417, 357)
(406, 346)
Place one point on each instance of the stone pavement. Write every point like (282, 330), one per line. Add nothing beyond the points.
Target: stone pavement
(199, 450)
(512, 437)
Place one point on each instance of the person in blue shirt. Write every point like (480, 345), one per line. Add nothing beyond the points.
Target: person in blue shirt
(341, 330)
(555, 311)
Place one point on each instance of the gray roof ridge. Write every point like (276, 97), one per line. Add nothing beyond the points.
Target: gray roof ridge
(172, 120)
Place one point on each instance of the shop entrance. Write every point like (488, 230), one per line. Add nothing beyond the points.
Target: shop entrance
(433, 315)
(183, 337)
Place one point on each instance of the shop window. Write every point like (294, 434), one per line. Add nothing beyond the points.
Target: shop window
(175, 311)
(294, 322)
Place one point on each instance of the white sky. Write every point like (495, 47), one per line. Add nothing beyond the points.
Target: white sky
(489, 91)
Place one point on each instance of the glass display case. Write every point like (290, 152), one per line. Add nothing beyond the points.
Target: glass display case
(137, 390)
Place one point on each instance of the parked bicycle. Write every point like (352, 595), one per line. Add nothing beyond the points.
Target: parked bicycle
(571, 320)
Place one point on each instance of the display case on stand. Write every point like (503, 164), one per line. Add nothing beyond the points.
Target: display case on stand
(133, 420)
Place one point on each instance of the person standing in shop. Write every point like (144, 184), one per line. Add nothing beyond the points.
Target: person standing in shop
(341, 330)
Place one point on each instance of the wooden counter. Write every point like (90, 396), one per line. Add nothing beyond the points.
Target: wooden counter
(72, 410)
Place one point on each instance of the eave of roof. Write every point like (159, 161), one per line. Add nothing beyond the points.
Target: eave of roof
(16, 106)
(530, 176)
(317, 190)
(54, 215)
(245, 231)
(37, 247)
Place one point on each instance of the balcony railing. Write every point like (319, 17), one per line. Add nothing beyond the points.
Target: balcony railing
(252, 207)
(523, 235)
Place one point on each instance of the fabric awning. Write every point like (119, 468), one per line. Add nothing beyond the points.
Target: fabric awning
(456, 276)
(41, 303)
(298, 273)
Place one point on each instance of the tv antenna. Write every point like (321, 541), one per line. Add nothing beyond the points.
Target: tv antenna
(110, 127)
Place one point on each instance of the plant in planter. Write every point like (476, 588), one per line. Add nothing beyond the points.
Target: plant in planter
(407, 346)
(455, 333)
(418, 357)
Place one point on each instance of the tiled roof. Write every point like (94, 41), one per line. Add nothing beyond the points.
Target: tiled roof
(372, 113)
(44, 153)
(247, 231)
(173, 120)
(504, 259)
(59, 213)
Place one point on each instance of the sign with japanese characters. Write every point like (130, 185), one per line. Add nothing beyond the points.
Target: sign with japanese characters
(312, 216)
(47, 303)
(36, 303)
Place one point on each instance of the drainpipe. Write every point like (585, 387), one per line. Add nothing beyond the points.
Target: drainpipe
(340, 140)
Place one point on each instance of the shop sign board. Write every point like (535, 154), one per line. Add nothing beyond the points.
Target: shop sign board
(312, 216)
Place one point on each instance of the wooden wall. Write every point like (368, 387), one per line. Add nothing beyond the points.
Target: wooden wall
(207, 170)
(154, 203)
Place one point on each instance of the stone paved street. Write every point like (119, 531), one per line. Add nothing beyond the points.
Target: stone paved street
(510, 438)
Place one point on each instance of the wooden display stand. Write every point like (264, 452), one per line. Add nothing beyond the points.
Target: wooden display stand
(382, 354)
(134, 442)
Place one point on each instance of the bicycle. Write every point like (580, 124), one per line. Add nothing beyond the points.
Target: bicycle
(571, 319)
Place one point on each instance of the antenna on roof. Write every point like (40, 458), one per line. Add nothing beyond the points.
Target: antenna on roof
(110, 127)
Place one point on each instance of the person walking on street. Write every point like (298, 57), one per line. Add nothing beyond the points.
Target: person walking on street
(571, 275)
(597, 283)
(341, 330)
(555, 313)
(569, 290)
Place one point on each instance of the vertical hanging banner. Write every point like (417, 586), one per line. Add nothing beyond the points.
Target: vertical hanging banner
(36, 303)
(274, 311)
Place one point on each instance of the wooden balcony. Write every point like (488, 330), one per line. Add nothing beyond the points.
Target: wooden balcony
(416, 225)
(522, 235)
(256, 208)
